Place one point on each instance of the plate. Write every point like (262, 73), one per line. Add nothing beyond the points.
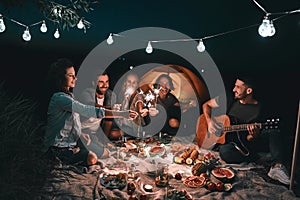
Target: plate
(113, 181)
(157, 150)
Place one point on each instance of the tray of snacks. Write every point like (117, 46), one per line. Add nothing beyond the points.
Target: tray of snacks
(113, 181)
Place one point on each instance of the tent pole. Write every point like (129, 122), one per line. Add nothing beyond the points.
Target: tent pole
(295, 149)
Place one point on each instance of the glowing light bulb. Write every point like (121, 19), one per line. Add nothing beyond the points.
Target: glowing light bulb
(80, 24)
(201, 46)
(59, 12)
(43, 27)
(149, 48)
(55, 11)
(56, 34)
(131, 67)
(2, 25)
(273, 30)
(26, 35)
(264, 29)
(110, 39)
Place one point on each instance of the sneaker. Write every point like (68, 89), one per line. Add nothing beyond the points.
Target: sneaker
(280, 174)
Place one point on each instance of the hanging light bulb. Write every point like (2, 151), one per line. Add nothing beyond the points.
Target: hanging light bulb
(110, 39)
(26, 35)
(43, 27)
(2, 25)
(149, 48)
(273, 30)
(201, 46)
(55, 11)
(80, 24)
(264, 29)
(56, 34)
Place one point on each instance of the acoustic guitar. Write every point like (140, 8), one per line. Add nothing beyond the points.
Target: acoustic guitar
(207, 140)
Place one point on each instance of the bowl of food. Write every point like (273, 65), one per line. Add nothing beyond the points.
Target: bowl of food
(157, 151)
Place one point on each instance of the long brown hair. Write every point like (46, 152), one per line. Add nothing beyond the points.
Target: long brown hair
(56, 77)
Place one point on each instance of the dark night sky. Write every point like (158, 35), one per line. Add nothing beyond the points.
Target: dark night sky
(273, 61)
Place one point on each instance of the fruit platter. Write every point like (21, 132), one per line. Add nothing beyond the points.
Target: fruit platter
(223, 174)
(157, 150)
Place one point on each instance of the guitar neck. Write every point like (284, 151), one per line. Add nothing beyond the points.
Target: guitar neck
(240, 127)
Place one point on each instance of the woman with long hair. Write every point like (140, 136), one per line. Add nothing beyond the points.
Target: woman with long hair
(64, 138)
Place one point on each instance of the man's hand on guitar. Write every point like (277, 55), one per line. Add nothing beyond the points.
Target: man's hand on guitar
(213, 127)
(253, 130)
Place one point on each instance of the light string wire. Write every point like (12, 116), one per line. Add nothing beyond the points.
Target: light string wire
(277, 13)
(283, 14)
(21, 24)
(193, 39)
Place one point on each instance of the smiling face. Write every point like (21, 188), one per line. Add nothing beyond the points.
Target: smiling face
(103, 83)
(131, 81)
(240, 90)
(130, 84)
(70, 78)
(164, 84)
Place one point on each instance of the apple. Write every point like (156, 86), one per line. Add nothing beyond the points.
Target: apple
(220, 186)
(211, 186)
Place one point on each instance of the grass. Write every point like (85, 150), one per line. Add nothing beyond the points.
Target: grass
(22, 169)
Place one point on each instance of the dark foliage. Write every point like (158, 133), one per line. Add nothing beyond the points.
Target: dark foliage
(23, 168)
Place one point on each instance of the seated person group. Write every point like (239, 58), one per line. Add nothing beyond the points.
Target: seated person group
(162, 110)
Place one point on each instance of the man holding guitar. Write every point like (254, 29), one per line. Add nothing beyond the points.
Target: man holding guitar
(241, 142)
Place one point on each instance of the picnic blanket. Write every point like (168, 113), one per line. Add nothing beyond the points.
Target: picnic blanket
(70, 182)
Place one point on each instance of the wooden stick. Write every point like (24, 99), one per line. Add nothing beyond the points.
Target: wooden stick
(295, 149)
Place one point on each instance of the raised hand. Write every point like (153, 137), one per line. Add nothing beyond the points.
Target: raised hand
(143, 112)
(133, 114)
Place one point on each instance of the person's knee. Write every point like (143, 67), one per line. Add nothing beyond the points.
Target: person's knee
(226, 154)
(92, 158)
(174, 123)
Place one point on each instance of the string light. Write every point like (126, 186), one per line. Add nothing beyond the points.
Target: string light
(266, 29)
(67, 16)
(2, 25)
(110, 39)
(80, 24)
(43, 27)
(58, 11)
(201, 46)
(26, 35)
(149, 48)
(56, 34)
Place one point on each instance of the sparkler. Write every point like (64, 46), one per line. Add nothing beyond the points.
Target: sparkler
(151, 97)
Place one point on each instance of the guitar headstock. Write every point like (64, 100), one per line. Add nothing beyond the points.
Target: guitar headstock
(271, 124)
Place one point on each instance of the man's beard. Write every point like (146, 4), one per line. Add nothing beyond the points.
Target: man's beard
(99, 91)
(243, 96)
